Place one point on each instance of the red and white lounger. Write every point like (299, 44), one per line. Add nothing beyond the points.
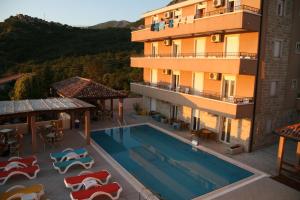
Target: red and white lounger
(76, 183)
(30, 172)
(112, 190)
(27, 161)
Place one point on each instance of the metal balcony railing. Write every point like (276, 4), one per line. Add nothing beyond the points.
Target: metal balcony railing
(208, 14)
(205, 94)
(239, 55)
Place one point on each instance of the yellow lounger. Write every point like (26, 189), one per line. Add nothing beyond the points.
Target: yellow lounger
(34, 191)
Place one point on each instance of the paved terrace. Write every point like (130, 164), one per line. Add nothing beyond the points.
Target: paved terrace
(264, 160)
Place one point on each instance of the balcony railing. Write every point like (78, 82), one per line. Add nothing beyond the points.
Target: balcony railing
(205, 94)
(240, 55)
(190, 19)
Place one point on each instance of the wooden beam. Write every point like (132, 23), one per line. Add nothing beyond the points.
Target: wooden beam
(298, 154)
(112, 107)
(71, 119)
(33, 133)
(87, 127)
(29, 123)
(280, 153)
(121, 110)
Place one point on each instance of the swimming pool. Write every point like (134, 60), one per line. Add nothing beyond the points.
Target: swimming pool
(168, 167)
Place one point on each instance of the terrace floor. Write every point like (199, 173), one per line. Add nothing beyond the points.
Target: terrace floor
(264, 160)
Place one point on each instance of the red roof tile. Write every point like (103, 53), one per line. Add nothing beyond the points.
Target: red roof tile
(77, 87)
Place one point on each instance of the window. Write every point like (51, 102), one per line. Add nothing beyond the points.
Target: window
(294, 84)
(280, 7)
(297, 47)
(273, 88)
(277, 48)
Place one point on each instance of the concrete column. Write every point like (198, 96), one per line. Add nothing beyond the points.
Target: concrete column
(280, 153)
(33, 133)
(87, 127)
(121, 114)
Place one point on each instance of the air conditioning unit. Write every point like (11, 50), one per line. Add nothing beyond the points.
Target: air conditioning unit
(218, 3)
(167, 42)
(167, 71)
(214, 76)
(216, 38)
(167, 15)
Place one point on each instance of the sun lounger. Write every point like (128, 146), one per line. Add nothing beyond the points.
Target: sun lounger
(69, 154)
(112, 190)
(28, 161)
(30, 172)
(77, 182)
(20, 192)
(64, 166)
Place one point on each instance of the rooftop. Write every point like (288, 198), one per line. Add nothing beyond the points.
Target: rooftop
(40, 105)
(82, 88)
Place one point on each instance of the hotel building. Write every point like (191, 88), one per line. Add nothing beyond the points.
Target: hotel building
(230, 66)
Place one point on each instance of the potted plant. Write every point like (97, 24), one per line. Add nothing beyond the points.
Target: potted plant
(235, 149)
(137, 108)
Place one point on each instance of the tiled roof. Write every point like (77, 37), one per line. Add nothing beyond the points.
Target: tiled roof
(291, 131)
(82, 88)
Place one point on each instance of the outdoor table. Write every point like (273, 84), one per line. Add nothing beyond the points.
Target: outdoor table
(51, 136)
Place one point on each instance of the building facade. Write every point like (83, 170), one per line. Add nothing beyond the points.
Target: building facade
(229, 66)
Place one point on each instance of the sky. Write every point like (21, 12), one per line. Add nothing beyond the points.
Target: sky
(80, 12)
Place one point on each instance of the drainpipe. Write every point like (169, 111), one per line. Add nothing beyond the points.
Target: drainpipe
(257, 76)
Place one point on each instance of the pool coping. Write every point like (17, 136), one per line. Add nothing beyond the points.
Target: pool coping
(146, 193)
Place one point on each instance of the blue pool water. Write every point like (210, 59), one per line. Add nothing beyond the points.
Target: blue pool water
(169, 168)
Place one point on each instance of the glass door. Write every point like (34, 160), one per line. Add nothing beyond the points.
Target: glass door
(176, 80)
(153, 77)
(174, 112)
(228, 91)
(226, 130)
(196, 125)
(232, 46)
(198, 83)
(200, 47)
(176, 48)
(154, 49)
(152, 104)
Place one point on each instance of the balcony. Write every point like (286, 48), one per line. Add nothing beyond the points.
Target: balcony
(237, 107)
(241, 19)
(216, 62)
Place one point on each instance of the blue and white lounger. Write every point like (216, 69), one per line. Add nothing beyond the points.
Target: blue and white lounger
(64, 166)
(69, 154)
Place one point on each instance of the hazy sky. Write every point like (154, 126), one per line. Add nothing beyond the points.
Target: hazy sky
(80, 12)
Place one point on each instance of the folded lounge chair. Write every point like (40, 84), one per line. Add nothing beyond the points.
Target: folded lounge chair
(28, 161)
(20, 192)
(64, 166)
(69, 154)
(112, 190)
(77, 182)
(30, 172)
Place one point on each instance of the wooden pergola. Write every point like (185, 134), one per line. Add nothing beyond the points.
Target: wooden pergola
(90, 91)
(33, 107)
(289, 132)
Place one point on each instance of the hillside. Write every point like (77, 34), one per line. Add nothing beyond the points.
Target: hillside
(33, 45)
(111, 24)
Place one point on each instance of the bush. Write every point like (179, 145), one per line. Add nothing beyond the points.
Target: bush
(137, 108)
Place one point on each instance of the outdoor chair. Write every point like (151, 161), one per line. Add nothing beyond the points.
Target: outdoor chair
(76, 183)
(35, 191)
(64, 166)
(67, 153)
(112, 190)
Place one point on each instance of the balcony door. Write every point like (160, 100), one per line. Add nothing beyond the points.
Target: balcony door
(196, 124)
(176, 80)
(154, 49)
(174, 112)
(176, 48)
(198, 82)
(228, 88)
(232, 45)
(226, 130)
(152, 104)
(154, 77)
(200, 47)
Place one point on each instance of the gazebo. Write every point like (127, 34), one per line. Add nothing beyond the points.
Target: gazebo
(89, 91)
(289, 132)
(33, 107)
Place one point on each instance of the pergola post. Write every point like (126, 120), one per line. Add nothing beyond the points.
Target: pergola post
(112, 107)
(33, 133)
(298, 153)
(29, 123)
(87, 127)
(280, 153)
(121, 117)
(71, 119)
